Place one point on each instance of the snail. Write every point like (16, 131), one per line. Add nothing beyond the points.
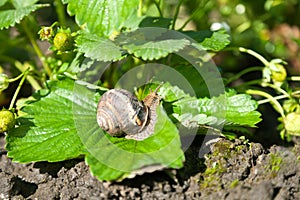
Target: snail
(119, 111)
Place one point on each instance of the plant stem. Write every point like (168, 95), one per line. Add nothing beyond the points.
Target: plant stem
(241, 73)
(18, 90)
(186, 22)
(158, 7)
(22, 69)
(275, 88)
(59, 7)
(16, 78)
(140, 10)
(30, 79)
(35, 46)
(295, 78)
(296, 92)
(275, 103)
(176, 14)
(199, 12)
(268, 100)
(256, 55)
(253, 82)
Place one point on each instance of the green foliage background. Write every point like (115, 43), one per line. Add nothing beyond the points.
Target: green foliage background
(115, 33)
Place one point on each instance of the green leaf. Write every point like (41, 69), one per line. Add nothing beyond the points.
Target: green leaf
(79, 64)
(10, 17)
(227, 109)
(113, 158)
(151, 43)
(3, 2)
(46, 130)
(23, 3)
(156, 50)
(171, 93)
(156, 22)
(60, 123)
(241, 110)
(218, 41)
(208, 40)
(103, 17)
(98, 48)
(198, 36)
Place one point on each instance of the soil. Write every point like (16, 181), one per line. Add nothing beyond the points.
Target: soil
(232, 170)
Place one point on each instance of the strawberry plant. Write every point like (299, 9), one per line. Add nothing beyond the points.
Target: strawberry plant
(117, 44)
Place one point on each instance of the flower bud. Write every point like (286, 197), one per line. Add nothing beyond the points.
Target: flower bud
(46, 33)
(279, 73)
(4, 82)
(291, 123)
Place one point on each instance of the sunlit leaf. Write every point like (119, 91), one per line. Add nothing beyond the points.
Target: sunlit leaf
(208, 40)
(60, 123)
(98, 48)
(226, 109)
(46, 129)
(119, 157)
(151, 43)
(11, 17)
(218, 41)
(102, 17)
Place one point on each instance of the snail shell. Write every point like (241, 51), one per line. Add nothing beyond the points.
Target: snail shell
(120, 112)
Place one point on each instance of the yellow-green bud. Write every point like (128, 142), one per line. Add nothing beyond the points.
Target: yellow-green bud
(63, 41)
(291, 123)
(7, 120)
(278, 75)
(46, 33)
(4, 82)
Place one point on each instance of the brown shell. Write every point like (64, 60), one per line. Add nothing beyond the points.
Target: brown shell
(120, 112)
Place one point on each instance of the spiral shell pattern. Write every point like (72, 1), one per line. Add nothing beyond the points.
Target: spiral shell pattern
(120, 112)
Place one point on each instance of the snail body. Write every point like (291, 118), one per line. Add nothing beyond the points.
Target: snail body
(120, 112)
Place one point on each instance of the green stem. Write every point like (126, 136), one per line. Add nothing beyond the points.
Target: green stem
(22, 69)
(295, 78)
(295, 93)
(30, 79)
(268, 100)
(198, 12)
(140, 11)
(35, 46)
(158, 7)
(17, 78)
(60, 10)
(256, 55)
(176, 14)
(12, 103)
(275, 88)
(241, 73)
(186, 22)
(276, 104)
(253, 82)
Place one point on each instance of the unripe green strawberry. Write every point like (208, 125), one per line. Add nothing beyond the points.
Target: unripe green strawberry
(291, 123)
(7, 120)
(63, 41)
(278, 75)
